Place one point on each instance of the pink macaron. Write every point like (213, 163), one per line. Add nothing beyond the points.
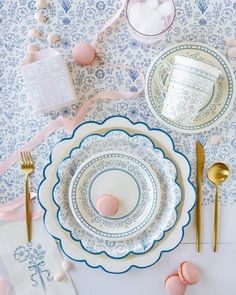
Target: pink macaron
(107, 205)
(83, 54)
(174, 286)
(188, 273)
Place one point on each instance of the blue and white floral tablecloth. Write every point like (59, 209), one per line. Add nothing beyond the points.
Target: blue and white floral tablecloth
(206, 21)
(200, 20)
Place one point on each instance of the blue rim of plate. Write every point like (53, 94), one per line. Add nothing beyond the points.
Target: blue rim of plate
(229, 76)
(58, 181)
(129, 232)
(133, 265)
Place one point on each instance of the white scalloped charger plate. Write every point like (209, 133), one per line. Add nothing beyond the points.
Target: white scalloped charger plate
(72, 249)
(138, 145)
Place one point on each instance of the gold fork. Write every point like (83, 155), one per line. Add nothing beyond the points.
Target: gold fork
(27, 166)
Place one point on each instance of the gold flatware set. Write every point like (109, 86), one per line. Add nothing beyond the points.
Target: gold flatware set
(27, 166)
(217, 174)
(200, 166)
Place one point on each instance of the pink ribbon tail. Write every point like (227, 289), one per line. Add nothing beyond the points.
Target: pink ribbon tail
(18, 216)
(110, 22)
(48, 130)
(8, 211)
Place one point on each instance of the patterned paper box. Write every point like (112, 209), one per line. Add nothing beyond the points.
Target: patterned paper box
(48, 80)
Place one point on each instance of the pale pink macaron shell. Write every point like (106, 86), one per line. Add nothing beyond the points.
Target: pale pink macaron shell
(188, 273)
(174, 285)
(107, 205)
(83, 54)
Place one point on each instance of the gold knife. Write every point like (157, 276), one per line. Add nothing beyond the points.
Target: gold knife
(200, 166)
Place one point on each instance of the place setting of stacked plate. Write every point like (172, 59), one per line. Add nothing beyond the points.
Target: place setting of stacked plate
(149, 179)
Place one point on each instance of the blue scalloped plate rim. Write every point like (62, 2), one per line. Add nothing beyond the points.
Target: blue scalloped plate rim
(103, 136)
(133, 265)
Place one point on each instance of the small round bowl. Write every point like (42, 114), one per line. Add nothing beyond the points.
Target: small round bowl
(144, 38)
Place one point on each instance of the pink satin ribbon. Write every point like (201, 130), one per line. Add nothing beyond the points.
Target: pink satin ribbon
(8, 211)
(68, 124)
(232, 44)
(109, 22)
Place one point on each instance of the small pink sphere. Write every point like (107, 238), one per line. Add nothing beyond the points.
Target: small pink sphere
(3, 286)
(83, 54)
(34, 33)
(59, 276)
(66, 265)
(53, 38)
(39, 17)
(107, 205)
(188, 273)
(40, 4)
(32, 48)
(174, 286)
(215, 139)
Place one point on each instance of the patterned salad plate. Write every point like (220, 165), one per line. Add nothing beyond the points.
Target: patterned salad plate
(126, 177)
(155, 180)
(75, 250)
(219, 102)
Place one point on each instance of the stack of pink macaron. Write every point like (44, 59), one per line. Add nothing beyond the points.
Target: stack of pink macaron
(176, 283)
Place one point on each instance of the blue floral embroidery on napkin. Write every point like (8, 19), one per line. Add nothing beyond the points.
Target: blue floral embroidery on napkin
(34, 257)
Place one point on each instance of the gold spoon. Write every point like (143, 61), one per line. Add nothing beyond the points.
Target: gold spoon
(217, 174)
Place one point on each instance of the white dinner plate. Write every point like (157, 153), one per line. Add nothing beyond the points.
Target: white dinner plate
(124, 176)
(142, 147)
(73, 249)
(217, 105)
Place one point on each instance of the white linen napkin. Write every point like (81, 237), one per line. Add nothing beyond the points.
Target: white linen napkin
(31, 266)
